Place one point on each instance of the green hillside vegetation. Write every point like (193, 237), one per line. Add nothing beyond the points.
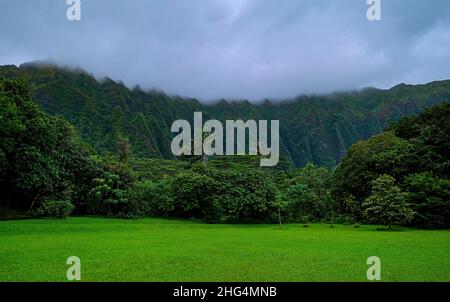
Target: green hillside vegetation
(317, 129)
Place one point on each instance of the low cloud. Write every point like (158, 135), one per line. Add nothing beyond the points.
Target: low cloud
(235, 49)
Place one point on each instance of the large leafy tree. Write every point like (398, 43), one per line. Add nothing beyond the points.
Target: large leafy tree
(40, 155)
(429, 133)
(307, 194)
(388, 204)
(429, 196)
(367, 160)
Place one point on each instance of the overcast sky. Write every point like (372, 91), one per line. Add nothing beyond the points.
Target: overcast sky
(251, 49)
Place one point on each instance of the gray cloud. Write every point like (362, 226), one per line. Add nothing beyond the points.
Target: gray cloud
(235, 48)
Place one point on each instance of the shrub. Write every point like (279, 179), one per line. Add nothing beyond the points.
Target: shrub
(108, 195)
(234, 195)
(152, 198)
(55, 208)
(193, 193)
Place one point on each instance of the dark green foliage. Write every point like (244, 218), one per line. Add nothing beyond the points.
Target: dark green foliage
(305, 195)
(40, 155)
(123, 149)
(55, 208)
(366, 160)
(155, 169)
(429, 133)
(429, 197)
(301, 204)
(192, 192)
(224, 195)
(348, 209)
(108, 194)
(151, 198)
(240, 194)
(388, 204)
(415, 152)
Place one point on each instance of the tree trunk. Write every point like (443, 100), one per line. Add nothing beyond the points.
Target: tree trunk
(279, 217)
(35, 199)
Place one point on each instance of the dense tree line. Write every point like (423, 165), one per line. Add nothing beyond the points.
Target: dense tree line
(44, 166)
(415, 153)
(399, 177)
(40, 155)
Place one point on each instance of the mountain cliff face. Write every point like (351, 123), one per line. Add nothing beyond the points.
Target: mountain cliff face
(316, 129)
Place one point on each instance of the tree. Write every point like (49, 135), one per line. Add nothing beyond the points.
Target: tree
(307, 194)
(387, 204)
(108, 196)
(123, 149)
(350, 209)
(429, 197)
(429, 132)
(302, 203)
(40, 154)
(281, 203)
(367, 160)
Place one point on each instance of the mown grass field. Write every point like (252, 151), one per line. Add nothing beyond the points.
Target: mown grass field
(177, 250)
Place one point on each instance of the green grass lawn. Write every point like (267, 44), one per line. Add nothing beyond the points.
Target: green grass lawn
(177, 250)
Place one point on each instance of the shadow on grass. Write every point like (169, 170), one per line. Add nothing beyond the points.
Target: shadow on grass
(8, 214)
(393, 229)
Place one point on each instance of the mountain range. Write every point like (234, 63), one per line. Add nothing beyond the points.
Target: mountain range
(313, 128)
